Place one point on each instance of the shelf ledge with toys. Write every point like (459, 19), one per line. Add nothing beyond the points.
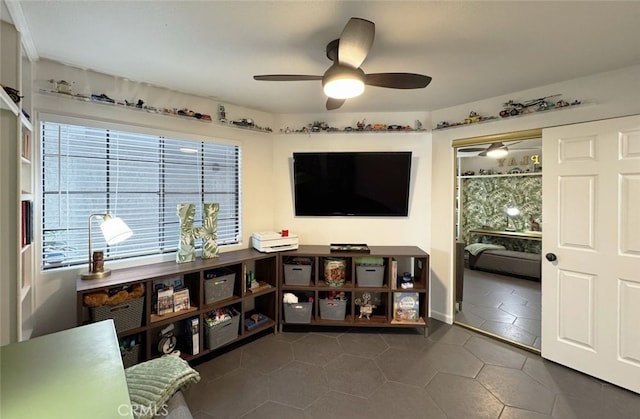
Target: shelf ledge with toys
(512, 109)
(62, 89)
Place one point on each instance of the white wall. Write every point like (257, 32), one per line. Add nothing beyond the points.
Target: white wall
(267, 196)
(55, 296)
(604, 95)
(412, 230)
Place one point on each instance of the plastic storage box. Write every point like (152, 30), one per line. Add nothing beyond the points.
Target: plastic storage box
(221, 333)
(297, 274)
(218, 285)
(127, 315)
(332, 309)
(297, 312)
(369, 275)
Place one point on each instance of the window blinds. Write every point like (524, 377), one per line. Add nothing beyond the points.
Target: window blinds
(140, 178)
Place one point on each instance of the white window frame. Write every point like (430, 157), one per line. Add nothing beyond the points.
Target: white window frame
(232, 222)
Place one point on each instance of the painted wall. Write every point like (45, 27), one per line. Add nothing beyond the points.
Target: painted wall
(55, 297)
(267, 196)
(605, 95)
(411, 230)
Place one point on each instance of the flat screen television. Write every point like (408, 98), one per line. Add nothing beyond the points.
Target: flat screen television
(366, 184)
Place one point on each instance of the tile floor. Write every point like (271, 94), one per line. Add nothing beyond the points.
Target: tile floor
(396, 373)
(503, 305)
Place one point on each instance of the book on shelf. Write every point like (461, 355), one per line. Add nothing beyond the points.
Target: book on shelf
(244, 279)
(26, 145)
(175, 283)
(255, 320)
(192, 332)
(165, 301)
(181, 300)
(394, 273)
(26, 222)
(406, 306)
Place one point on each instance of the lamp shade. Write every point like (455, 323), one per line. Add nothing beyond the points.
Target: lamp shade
(115, 230)
(513, 211)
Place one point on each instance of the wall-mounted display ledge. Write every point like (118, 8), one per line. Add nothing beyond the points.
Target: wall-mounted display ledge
(182, 114)
(475, 119)
(502, 175)
(353, 131)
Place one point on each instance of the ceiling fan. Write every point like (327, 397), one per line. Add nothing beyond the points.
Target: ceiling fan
(345, 79)
(498, 149)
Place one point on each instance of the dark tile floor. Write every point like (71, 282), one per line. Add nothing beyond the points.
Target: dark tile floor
(503, 305)
(397, 373)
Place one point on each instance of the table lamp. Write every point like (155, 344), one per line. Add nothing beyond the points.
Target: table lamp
(511, 212)
(114, 231)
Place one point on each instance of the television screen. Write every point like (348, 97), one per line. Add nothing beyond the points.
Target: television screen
(352, 183)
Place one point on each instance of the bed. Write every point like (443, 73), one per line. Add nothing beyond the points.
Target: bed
(495, 258)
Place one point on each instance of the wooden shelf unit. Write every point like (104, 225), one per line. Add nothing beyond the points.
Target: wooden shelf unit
(409, 258)
(193, 274)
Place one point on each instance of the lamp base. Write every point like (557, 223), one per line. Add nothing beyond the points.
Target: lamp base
(96, 275)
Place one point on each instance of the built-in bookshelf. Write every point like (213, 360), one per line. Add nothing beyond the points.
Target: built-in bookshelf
(17, 185)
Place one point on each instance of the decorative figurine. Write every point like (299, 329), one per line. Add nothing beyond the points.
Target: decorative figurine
(366, 308)
(98, 261)
(535, 226)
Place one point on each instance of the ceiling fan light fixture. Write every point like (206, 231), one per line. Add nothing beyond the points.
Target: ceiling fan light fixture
(340, 82)
(496, 153)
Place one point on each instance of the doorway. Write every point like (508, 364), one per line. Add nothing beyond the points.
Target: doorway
(498, 238)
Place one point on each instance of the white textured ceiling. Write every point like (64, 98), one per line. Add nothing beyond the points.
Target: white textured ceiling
(473, 50)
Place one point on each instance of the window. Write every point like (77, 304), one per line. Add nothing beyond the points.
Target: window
(140, 178)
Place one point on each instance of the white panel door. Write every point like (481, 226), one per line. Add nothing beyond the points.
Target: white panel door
(591, 227)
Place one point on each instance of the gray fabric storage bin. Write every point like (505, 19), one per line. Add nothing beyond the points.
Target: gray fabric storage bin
(369, 275)
(333, 309)
(297, 274)
(218, 288)
(297, 312)
(221, 333)
(127, 315)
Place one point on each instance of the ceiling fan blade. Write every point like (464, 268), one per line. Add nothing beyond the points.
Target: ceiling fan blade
(355, 42)
(333, 104)
(398, 80)
(472, 149)
(286, 77)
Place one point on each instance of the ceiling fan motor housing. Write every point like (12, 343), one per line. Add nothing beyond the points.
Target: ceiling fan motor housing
(343, 82)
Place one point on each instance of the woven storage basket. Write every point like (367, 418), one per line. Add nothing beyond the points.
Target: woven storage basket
(332, 309)
(127, 315)
(297, 312)
(219, 287)
(223, 332)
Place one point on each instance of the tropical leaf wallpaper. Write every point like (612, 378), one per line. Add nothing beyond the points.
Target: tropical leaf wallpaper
(483, 204)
